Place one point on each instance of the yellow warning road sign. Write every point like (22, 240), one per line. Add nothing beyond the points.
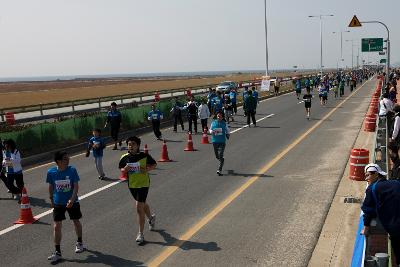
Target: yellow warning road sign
(355, 22)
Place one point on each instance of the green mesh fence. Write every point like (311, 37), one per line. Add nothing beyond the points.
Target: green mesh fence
(47, 136)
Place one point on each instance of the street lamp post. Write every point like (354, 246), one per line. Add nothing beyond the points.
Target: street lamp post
(320, 33)
(266, 38)
(341, 45)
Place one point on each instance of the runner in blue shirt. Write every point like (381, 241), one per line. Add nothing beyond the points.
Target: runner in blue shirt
(298, 88)
(114, 120)
(155, 116)
(63, 189)
(218, 103)
(244, 96)
(233, 97)
(255, 95)
(220, 132)
(97, 145)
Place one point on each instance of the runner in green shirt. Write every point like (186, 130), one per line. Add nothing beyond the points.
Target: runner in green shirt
(137, 164)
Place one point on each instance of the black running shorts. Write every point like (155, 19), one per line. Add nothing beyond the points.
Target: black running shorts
(139, 194)
(74, 212)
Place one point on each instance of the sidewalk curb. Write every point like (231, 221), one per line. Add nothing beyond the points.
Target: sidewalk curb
(336, 240)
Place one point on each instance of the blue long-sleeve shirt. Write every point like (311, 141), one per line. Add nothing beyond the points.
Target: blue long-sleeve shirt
(384, 204)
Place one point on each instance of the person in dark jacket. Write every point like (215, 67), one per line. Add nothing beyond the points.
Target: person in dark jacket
(250, 110)
(192, 110)
(382, 200)
(114, 120)
(177, 113)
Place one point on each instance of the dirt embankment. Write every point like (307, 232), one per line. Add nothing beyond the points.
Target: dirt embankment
(21, 94)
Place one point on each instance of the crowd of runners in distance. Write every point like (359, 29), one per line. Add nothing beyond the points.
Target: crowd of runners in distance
(220, 107)
(332, 82)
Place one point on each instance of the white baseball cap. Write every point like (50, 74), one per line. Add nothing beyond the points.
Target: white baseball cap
(372, 167)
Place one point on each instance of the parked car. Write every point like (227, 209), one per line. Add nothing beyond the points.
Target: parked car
(226, 86)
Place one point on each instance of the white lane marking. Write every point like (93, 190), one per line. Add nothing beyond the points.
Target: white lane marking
(263, 118)
(11, 228)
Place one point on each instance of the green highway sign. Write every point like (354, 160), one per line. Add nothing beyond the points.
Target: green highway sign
(371, 44)
(383, 60)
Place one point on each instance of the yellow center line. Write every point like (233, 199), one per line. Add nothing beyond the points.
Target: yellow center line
(222, 205)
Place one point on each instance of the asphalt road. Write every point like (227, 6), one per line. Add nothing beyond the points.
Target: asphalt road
(267, 210)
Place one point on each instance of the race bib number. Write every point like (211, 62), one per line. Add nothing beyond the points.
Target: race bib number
(134, 167)
(154, 116)
(63, 185)
(218, 131)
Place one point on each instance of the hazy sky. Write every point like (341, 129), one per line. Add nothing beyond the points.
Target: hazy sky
(78, 37)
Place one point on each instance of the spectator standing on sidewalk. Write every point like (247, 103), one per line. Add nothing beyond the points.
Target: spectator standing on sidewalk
(155, 116)
(204, 114)
(12, 163)
(382, 200)
(114, 120)
(177, 113)
(219, 133)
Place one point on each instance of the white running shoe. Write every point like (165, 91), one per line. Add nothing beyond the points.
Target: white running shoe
(140, 238)
(152, 222)
(56, 256)
(79, 248)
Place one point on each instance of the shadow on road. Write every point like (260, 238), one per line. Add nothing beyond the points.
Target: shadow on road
(39, 202)
(183, 244)
(106, 259)
(233, 173)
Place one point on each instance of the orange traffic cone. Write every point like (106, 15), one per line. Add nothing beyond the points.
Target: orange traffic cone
(189, 145)
(25, 216)
(204, 138)
(123, 176)
(146, 150)
(164, 153)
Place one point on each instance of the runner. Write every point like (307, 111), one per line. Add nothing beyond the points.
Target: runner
(63, 189)
(217, 104)
(177, 113)
(155, 116)
(210, 96)
(114, 119)
(192, 110)
(335, 88)
(244, 96)
(137, 164)
(298, 88)
(250, 104)
(228, 110)
(277, 85)
(12, 164)
(204, 114)
(255, 95)
(97, 145)
(307, 102)
(220, 132)
(341, 88)
(233, 97)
